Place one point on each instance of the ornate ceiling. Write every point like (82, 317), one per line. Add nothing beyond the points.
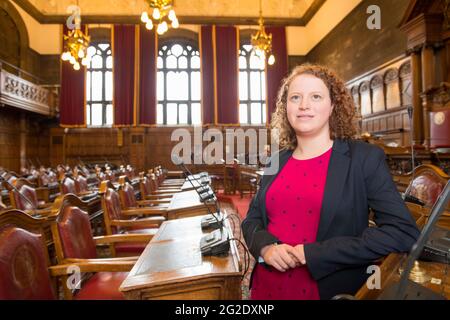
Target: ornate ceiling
(290, 12)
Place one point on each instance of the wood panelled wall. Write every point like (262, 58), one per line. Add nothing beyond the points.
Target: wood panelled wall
(382, 97)
(352, 49)
(24, 139)
(141, 147)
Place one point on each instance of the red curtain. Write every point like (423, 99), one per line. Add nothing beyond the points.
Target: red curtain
(207, 71)
(277, 71)
(226, 52)
(72, 106)
(124, 75)
(148, 54)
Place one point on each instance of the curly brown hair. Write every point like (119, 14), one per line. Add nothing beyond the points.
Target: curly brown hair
(341, 120)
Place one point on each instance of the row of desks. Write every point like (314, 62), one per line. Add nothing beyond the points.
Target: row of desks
(172, 266)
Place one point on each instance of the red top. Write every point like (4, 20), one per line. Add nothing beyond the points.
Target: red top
(293, 203)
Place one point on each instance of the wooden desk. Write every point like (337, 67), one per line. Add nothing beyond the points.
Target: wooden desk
(389, 275)
(195, 179)
(187, 204)
(187, 186)
(172, 267)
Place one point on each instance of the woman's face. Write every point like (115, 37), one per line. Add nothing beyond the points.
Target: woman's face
(308, 105)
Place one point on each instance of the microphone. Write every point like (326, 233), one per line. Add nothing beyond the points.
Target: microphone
(207, 222)
(405, 288)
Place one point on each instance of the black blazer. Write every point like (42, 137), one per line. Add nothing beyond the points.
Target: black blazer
(358, 179)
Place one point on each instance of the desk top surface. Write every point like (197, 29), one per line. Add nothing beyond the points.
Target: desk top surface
(185, 199)
(173, 255)
(187, 185)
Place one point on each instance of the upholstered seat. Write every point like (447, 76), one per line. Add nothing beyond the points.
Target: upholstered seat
(102, 286)
(128, 198)
(428, 183)
(23, 266)
(74, 242)
(119, 221)
(25, 198)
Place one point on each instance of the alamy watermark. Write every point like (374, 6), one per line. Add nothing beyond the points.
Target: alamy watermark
(252, 146)
(374, 20)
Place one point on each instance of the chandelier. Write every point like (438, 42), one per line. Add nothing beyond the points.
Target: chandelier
(262, 42)
(76, 45)
(162, 15)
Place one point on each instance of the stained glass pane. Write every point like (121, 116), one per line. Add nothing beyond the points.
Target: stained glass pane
(196, 114)
(160, 86)
(109, 114)
(255, 85)
(97, 62)
(160, 62)
(264, 113)
(97, 114)
(195, 86)
(88, 114)
(183, 110)
(243, 86)
(159, 114)
(247, 47)
(104, 46)
(109, 62)
(243, 113)
(263, 85)
(195, 62)
(171, 62)
(172, 113)
(242, 62)
(182, 62)
(97, 86)
(177, 85)
(88, 86)
(255, 62)
(177, 50)
(256, 113)
(108, 86)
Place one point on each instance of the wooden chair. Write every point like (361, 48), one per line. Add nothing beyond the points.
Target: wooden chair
(24, 197)
(75, 244)
(147, 192)
(428, 183)
(230, 178)
(162, 178)
(129, 201)
(25, 273)
(157, 188)
(24, 261)
(78, 187)
(247, 180)
(119, 221)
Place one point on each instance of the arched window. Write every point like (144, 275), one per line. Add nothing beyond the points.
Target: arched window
(99, 86)
(252, 87)
(178, 83)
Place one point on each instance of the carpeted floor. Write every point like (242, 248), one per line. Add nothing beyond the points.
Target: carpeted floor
(234, 204)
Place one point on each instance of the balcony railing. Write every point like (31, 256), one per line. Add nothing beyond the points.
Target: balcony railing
(16, 91)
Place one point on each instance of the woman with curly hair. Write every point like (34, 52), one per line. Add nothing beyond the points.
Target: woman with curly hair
(308, 225)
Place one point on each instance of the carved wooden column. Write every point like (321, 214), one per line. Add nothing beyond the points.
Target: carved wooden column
(417, 120)
(23, 140)
(428, 73)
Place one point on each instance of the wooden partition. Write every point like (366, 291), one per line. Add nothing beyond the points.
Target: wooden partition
(141, 147)
(382, 97)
